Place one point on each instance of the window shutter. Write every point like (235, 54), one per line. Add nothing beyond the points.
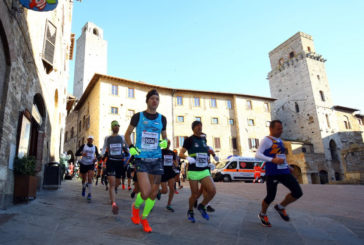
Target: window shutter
(176, 142)
(257, 143)
(49, 46)
(250, 143)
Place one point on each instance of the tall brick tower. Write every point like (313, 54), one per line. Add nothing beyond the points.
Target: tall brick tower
(91, 57)
(299, 82)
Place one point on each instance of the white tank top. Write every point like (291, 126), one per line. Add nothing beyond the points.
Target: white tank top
(89, 158)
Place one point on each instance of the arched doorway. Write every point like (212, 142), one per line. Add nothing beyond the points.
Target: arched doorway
(337, 176)
(324, 177)
(297, 173)
(333, 151)
(37, 126)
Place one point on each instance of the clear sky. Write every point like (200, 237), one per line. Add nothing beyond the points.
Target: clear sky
(223, 45)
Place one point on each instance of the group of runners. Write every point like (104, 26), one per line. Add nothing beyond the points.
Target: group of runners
(155, 168)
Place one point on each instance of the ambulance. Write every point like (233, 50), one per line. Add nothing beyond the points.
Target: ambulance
(237, 168)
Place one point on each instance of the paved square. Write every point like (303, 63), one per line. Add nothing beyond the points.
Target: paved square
(326, 214)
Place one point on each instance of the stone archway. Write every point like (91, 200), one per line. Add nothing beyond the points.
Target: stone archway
(297, 173)
(324, 177)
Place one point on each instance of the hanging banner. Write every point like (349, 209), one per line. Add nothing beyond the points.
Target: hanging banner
(39, 5)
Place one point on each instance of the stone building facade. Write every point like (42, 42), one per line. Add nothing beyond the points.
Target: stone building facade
(34, 53)
(299, 81)
(110, 98)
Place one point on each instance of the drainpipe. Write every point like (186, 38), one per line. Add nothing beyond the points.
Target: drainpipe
(173, 92)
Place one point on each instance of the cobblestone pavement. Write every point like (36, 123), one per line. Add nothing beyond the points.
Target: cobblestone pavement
(326, 214)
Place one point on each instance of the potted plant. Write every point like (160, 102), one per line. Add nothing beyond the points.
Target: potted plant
(25, 182)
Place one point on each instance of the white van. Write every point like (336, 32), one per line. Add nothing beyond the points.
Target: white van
(237, 168)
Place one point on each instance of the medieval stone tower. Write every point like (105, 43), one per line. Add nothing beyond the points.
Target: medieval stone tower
(299, 83)
(91, 57)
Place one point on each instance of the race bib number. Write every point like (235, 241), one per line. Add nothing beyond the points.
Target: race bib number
(201, 160)
(89, 155)
(115, 149)
(285, 164)
(149, 140)
(168, 160)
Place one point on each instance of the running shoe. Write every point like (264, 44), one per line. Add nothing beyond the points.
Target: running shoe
(203, 212)
(83, 191)
(159, 195)
(135, 218)
(89, 197)
(132, 195)
(282, 212)
(169, 208)
(264, 219)
(129, 188)
(191, 216)
(123, 186)
(146, 225)
(176, 192)
(210, 209)
(114, 208)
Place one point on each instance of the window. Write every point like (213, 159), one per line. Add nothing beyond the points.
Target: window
(267, 123)
(66, 137)
(180, 118)
(198, 119)
(49, 46)
(215, 120)
(318, 77)
(253, 143)
(251, 122)
(234, 143)
(322, 95)
(281, 61)
(232, 165)
(266, 107)
(131, 113)
(131, 93)
(84, 122)
(72, 132)
(179, 100)
(291, 55)
(327, 121)
(197, 101)
(88, 122)
(309, 49)
(217, 143)
(249, 105)
(213, 103)
(231, 121)
(114, 90)
(79, 126)
(229, 104)
(95, 32)
(114, 110)
(297, 107)
(347, 122)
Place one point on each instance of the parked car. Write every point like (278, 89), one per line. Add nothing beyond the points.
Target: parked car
(237, 168)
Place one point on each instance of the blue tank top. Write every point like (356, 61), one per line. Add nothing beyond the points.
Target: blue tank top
(270, 167)
(147, 137)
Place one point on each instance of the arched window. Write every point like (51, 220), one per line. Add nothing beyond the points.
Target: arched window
(297, 107)
(281, 61)
(309, 49)
(318, 77)
(291, 55)
(333, 150)
(327, 121)
(347, 122)
(72, 132)
(96, 32)
(322, 95)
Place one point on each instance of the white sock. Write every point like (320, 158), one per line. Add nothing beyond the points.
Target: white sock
(89, 188)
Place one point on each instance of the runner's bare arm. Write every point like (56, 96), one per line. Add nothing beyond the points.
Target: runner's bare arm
(182, 153)
(164, 134)
(128, 132)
